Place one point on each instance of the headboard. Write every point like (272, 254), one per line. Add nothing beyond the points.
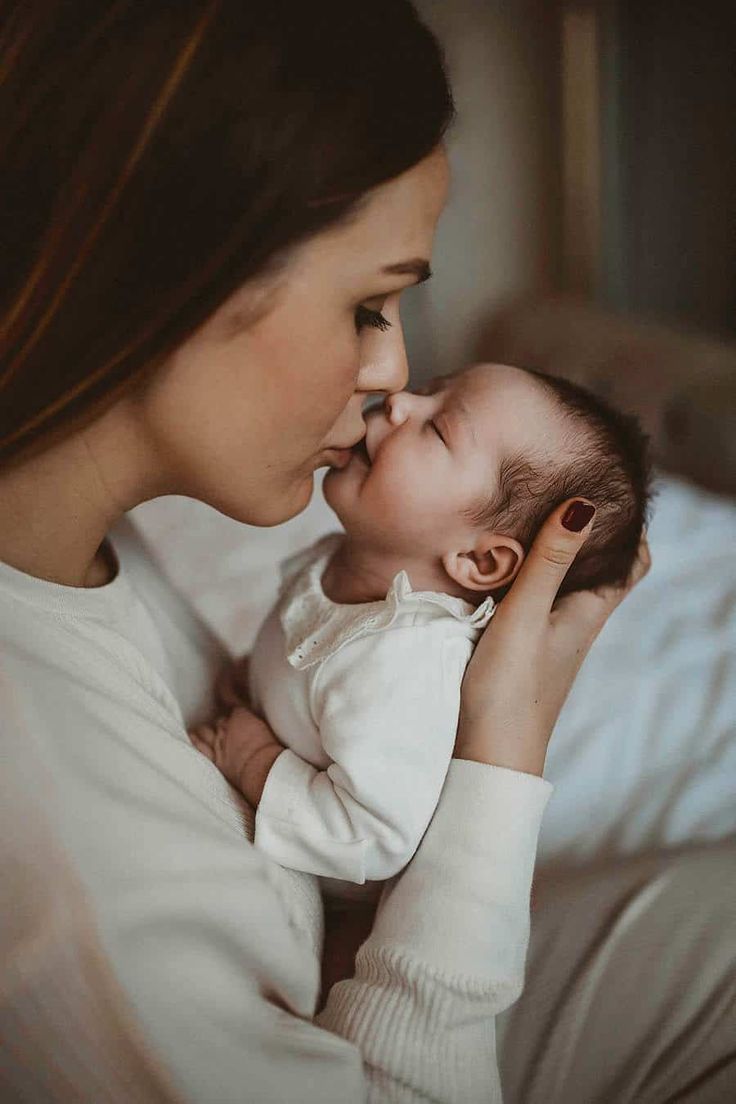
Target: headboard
(681, 385)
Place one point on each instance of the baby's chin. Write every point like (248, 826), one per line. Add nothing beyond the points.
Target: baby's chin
(341, 491)
(333, 489)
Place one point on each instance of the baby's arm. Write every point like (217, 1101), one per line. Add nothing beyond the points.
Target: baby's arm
(386, 707)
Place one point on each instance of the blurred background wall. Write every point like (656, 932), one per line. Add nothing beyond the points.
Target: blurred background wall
(670, 155)
(593, 151)
(500, 234)
(591, 226)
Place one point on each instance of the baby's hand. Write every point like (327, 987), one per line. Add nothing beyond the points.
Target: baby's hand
(242, 747)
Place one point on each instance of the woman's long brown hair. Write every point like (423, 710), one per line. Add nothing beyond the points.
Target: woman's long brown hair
(157, 155)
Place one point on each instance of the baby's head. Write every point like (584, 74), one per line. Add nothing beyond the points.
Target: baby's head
(459, 475)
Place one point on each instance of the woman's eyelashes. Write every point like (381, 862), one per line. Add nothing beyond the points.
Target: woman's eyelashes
(364, 316)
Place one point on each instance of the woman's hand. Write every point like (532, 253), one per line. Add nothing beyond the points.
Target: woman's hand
(527, 659)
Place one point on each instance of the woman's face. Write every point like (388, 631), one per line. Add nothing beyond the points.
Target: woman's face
(245, 411)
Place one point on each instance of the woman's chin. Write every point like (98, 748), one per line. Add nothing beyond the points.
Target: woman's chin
(274, 510)
(301, 498)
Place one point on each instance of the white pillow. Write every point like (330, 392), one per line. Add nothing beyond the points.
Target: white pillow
(644, 753)
(645, 750)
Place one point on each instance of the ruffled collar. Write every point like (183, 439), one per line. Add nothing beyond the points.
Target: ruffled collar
(315, 627)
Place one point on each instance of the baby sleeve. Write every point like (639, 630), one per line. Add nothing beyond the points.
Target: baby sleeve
(386, 706)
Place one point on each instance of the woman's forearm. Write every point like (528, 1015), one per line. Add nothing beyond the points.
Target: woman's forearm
(448, 946)
(479, 741)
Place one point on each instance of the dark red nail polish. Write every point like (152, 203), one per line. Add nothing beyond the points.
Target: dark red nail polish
(577, 515)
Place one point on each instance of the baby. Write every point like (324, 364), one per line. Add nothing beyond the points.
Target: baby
(357, 669)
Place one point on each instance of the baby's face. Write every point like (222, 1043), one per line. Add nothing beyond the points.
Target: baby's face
(435, 453)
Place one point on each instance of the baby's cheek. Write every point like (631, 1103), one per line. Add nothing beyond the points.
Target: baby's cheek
(413, 508)
(420, 497)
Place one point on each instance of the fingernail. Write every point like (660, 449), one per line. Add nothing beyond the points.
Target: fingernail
(577, 515)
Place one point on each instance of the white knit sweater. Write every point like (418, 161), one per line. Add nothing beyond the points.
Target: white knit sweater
(215, 946)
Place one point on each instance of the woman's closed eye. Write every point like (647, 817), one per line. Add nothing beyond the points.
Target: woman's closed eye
(364, 316)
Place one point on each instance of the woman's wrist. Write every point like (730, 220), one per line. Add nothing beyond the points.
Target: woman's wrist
(477, 743)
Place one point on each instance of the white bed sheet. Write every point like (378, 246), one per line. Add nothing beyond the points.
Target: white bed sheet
(644, 753)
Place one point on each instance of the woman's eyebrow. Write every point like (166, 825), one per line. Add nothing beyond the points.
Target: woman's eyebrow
(414, 267)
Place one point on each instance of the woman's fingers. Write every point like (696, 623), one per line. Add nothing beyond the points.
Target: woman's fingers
(556, 546)
(642, 563)
(588, 610)
(640, 568)
(524, 664)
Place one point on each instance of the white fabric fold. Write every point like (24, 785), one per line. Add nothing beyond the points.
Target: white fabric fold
(315, 627)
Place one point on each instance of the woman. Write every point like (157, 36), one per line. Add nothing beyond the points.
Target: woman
(211, 212)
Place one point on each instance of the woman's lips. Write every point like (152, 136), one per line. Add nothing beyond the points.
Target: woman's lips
(339, 457)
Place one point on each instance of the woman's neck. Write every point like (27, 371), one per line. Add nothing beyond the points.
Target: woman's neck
(57, 508)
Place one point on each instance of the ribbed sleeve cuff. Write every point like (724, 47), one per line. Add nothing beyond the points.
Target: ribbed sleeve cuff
(419, 1040)
(462, 904)
(448, 947)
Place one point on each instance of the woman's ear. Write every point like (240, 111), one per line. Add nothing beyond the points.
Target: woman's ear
(494, 562)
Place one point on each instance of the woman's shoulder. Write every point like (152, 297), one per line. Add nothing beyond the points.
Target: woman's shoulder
(135, 638)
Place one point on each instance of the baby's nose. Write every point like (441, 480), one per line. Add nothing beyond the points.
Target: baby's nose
(397, 407)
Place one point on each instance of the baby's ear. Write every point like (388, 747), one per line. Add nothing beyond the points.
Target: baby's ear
(494, 562)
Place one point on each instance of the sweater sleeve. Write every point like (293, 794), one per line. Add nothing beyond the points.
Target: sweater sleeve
(448, 947)
(386, 707)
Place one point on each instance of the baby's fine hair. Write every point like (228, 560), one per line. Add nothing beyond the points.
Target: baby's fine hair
(608, 464)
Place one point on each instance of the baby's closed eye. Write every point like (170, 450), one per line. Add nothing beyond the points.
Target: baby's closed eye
(437, 430)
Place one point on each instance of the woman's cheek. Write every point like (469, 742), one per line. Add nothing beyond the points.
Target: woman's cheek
(345, 357)
(340, 418)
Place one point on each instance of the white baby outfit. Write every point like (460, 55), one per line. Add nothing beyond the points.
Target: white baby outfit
(366, 698)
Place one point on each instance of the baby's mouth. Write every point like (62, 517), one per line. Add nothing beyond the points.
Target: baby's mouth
(360, 450)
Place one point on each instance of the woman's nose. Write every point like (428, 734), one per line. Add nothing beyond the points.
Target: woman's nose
(384, 364)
